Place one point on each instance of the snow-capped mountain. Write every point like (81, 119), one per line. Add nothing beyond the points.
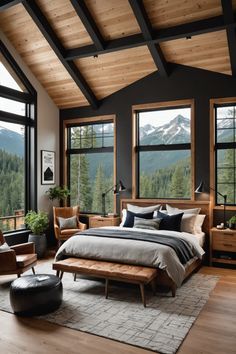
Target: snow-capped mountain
(174, 132)
(11, 142)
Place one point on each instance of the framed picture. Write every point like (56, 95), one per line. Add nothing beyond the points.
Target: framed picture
(47, 167)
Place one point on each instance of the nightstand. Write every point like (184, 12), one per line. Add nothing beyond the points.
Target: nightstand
(222, 246)
(98, 221)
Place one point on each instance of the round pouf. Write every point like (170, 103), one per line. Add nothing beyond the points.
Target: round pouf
(35, 294)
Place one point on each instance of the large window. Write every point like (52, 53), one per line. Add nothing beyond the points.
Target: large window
(17, 144)
(163, 152)
(90, 155)
(225, 157)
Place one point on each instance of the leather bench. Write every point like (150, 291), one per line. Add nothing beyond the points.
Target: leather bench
(109, 271)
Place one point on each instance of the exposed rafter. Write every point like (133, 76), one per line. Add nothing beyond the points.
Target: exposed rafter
(89, 23)
(231, 33)
(44, 26)
(146, 28)
(5, 4)
(167, 34)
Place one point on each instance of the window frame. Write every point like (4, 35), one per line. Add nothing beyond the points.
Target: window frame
(216, 146)
(67, 123)
(136, 148)
(29, 121)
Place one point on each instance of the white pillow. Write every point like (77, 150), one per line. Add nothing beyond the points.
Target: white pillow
(123, 217)
(188, 223)
(143, 210)
(172, 210)
(4, 247)
(198, 223)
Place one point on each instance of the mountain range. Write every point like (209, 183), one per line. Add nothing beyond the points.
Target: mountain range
(174, 132)
(11, 142)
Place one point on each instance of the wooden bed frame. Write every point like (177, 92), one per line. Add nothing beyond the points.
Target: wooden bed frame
(162, 278)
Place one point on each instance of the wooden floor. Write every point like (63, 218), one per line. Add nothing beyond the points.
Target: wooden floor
(213, 332)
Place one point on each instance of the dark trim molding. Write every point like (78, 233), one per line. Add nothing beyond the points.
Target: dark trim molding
(17, 70)
(12, 94)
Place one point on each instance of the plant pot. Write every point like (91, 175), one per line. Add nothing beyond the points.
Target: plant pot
(232, 226)
(40, 242)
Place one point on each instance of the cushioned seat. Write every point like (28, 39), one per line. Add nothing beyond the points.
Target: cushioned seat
(35, 294)
(24, 260)
(69, 232)
(66, 223)
(16, 259)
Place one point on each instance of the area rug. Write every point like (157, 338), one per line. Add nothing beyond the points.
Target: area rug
(160, 327)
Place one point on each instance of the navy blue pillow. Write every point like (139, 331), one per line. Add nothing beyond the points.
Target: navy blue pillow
(129, 221)
(170, 222)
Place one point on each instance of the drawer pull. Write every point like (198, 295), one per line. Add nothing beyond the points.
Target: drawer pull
(227, 234)
(227, 244)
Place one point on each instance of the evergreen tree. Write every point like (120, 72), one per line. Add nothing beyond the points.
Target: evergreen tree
(98, 190)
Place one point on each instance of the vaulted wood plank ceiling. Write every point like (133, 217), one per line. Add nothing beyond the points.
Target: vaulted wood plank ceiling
(82, 51)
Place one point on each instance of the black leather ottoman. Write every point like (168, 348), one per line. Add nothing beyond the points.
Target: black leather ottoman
(35, 294)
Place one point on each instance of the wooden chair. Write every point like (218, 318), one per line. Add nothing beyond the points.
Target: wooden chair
(66, 212)
(17, 259)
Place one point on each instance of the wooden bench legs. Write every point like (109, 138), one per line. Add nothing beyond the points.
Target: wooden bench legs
(141, 285)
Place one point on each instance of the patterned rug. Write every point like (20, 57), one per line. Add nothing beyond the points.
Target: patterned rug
(161, 326)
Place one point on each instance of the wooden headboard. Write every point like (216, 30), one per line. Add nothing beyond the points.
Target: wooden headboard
(185, 204)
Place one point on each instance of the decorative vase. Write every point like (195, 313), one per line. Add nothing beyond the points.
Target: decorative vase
(40, 242)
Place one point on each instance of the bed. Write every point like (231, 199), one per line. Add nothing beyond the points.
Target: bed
(138, 246)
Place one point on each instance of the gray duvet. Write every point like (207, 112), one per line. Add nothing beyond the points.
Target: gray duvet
(132, 251)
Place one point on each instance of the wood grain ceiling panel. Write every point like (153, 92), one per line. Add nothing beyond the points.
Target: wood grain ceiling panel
(114, 18)
(207, 51)
(109, 73)
(40, 58)
(65, 22)
(166, 13)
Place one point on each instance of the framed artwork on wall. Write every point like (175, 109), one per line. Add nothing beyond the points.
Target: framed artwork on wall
(47, 167)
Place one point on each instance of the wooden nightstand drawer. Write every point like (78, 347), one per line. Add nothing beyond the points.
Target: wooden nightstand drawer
(223, 240)
(99, 221)
(223, 246)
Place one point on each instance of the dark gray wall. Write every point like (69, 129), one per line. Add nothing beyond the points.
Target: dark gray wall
(183, 83)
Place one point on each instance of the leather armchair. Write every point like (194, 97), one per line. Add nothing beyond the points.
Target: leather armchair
(66, 212)
(17, 259)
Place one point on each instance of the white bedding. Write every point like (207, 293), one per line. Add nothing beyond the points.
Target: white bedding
(132, 251)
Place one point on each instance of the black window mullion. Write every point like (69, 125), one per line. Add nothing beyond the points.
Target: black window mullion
(225, 146)
(164, 147)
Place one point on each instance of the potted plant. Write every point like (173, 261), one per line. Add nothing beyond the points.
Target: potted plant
(232, 222)
(59, 193)
(37, 222)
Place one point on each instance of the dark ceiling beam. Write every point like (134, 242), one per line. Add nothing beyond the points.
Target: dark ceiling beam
(89, 23)
(5, 4)
(146, 29)
(44, 26)
(228, 13)
(166, 34)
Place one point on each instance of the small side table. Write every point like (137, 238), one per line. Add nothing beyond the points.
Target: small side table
(99, 221)
(222, 246)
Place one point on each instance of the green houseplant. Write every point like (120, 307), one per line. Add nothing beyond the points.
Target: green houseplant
(59, 193)
(37, 222)
(232, 222)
